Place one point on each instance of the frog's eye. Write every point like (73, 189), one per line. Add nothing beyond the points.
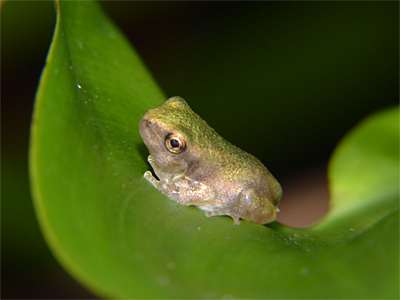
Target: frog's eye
(175, 143)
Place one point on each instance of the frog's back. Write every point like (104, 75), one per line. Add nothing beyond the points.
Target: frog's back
(236, 169)
(249, 171)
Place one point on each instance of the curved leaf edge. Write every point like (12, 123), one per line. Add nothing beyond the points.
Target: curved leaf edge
(45, 225)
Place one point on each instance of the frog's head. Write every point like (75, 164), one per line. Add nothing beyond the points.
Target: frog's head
(167, 132)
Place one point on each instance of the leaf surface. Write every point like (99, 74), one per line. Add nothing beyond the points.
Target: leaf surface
(121, 238)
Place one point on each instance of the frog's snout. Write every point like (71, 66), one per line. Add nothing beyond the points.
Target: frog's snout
(144, 125)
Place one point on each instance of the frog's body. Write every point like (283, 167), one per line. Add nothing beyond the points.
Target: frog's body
(196, 166)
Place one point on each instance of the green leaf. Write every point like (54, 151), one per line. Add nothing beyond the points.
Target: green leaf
(123, 239)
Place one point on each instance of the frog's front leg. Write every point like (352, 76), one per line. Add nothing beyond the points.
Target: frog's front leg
(185, 191)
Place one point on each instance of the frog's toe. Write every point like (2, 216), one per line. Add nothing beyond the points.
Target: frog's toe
(149, 176)
(208, 213)
(236, 220)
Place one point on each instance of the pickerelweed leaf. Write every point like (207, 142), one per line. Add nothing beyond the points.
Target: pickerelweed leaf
(121, 238)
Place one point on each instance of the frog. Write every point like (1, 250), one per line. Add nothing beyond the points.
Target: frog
(194, 166)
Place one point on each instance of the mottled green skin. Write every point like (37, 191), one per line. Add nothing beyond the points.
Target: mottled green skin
(210, 172)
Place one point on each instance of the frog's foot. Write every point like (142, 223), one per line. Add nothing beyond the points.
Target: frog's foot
(150, 178)
(224, 212)
(167, 187)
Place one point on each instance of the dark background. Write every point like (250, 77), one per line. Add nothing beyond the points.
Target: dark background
(319, 68)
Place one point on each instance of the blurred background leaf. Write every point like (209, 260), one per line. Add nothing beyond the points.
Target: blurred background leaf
(320, 68)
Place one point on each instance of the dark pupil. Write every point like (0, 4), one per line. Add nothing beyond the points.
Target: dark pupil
(174, 143)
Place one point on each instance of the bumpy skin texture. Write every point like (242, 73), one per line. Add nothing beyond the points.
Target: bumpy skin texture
(209, 173)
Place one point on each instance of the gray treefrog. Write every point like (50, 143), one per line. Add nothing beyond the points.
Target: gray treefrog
(196, 166)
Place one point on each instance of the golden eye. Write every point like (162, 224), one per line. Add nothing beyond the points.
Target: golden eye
(175, 143)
